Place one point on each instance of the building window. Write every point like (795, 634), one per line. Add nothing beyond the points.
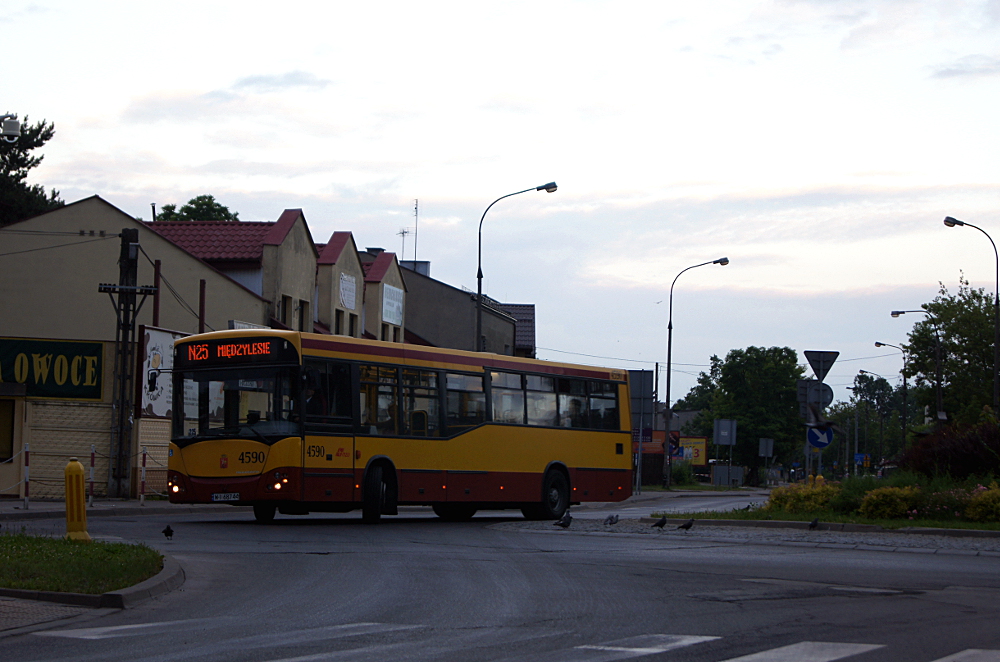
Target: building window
(385, 332)
(304, 316)
(6, 430)
(354, 326)
(286, 311)
(338, 322)
(395, 334)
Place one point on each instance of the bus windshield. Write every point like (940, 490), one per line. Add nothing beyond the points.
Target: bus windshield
(255, 403)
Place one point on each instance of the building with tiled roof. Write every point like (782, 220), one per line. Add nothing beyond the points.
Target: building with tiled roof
(277, 260)
(524, 327)
(385, 295)
(340, 282)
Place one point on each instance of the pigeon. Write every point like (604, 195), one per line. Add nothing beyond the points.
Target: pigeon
(168, 532)
(660, 523)
(686, 525)
(611, 519)
(814, 524)
(565, 521)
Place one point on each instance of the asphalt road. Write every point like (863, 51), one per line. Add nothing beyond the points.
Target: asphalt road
(327, 587)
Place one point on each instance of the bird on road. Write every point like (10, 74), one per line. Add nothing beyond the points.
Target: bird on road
(686, 525)
(814, 524)
(660, 523)
(168, 532)
(611, 519)
(564, 521)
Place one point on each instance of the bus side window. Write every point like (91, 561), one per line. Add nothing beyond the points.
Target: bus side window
(379, 408)
(572, 403)
(466, 401)
(327, 395)
(421, 404)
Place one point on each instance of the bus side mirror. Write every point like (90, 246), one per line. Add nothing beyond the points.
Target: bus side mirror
(151, 378)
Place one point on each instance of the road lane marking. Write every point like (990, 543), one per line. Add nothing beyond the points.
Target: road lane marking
(972, 655)
(807, 651)
(109, 632)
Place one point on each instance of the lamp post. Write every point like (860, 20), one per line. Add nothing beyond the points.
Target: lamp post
(903, 352)
(722, 261)
(952, 222)
(478, 345)
(939, 398)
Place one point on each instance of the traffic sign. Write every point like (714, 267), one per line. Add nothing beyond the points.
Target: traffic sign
(819, 438)
(811, 391)
(821, 362)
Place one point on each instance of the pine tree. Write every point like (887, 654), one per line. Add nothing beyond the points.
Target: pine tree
(18, 199)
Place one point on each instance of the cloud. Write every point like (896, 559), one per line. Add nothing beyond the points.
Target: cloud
(283, 81)
(970, 66)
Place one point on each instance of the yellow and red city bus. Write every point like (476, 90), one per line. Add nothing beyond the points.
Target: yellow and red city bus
(297, 423)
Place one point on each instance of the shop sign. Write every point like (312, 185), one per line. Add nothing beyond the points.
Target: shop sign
(53, 368)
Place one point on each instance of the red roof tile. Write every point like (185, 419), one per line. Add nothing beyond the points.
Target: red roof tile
(331, 252)
(375, 271)
(216, 240)
(228, 240)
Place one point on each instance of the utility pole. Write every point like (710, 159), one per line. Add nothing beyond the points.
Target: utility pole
(126, 310)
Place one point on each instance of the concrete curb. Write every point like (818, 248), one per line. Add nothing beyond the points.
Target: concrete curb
(127, 511)
(168, 579)
(835, 526)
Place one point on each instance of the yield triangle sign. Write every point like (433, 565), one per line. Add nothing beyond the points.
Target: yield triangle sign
(821, 362)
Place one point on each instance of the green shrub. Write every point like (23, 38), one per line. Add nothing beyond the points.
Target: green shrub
(681, 473)
(852, 492)
(984, 506)
(889, 502)
(942, 505)
(802, 498)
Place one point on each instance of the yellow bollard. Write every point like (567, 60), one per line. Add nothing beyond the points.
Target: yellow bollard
(820, 481)
(76, 512)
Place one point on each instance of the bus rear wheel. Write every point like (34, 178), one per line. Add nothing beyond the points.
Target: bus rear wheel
(555, 498)
(373, 496)
(264, 513)
(454, 512)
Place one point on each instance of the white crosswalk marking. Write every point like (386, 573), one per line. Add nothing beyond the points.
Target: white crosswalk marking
(807, 651)
(649, 644)
(972, 655)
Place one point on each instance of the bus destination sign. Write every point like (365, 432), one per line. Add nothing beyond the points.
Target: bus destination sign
(232, 352)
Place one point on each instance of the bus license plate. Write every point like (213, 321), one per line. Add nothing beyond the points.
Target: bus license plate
(226, 496)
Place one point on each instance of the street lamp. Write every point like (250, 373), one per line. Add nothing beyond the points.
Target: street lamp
(10, 130)
(903, 351)
(549, 188)
(722, 261)
(952, 222)
(937, 358)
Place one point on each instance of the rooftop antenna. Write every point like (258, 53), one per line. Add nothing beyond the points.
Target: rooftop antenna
(415, 227)
(402, 233)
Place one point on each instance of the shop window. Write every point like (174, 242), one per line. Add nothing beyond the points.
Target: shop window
(6, 430)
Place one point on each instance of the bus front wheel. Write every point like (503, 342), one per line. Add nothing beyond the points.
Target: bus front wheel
(373, 496)
(555, 498)
(264, 513)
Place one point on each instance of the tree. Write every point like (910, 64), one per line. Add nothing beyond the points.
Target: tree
(757, 387)
(964, 322)
(18, 199)
(201, 208)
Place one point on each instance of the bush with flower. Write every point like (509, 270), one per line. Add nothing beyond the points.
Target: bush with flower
(801, 498)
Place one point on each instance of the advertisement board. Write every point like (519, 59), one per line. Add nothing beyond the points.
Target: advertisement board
(57, 369)
(695, 450)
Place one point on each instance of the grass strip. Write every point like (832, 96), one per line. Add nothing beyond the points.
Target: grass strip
(54, 564)
(832, 517)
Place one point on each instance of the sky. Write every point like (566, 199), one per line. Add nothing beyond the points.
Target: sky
(816, 144)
